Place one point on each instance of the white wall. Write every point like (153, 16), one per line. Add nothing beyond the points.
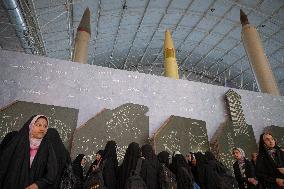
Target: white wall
(92, 88)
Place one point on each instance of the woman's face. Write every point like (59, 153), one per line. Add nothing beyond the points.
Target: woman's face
(188, 157)
(83, 162)
(237, 154)
(39, 129)
(254, 156)
(269, 141)
(98, 157)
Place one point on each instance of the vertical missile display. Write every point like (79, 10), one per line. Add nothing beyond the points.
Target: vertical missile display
(257, 58)
(170, 63)
(80, 53)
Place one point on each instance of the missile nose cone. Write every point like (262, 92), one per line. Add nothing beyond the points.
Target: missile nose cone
(168, 44)
(243, 18)
(85, 22)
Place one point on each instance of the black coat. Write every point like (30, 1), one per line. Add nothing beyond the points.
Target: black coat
(150, 173)
(15, 169)
(249, 171)
(266, 169)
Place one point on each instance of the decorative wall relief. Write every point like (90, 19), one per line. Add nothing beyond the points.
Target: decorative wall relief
(15, 115)
(235, 132)
(125, 124)
(182, 134)
(277, 132)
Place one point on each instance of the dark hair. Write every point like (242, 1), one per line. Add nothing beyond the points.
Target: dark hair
(262, 148)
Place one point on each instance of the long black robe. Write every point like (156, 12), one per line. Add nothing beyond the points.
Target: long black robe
(62, 155)
(110, 164)
(150, 167)
(183, 175)
(129, 164)
(15, 172)
(249, 172)
(78, 172)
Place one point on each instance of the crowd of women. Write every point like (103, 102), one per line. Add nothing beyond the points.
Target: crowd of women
(35, 158)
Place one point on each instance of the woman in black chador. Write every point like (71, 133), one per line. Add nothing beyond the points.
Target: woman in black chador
(96, 163)
(150, 167)
(62, 154)
(167, 178)
(270, 163)
(183, 175)
(217, 176)
(128, 165)
(110, 165)
(78, 166)
(244, 170)
(29, 161)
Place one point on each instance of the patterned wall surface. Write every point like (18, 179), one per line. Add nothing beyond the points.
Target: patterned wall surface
(235, 132)
(92, 88)
(181, 134)
(14, 116)
(125, 124)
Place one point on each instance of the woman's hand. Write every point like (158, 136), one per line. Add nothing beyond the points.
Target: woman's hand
(281, 170)
(252, 181)
(280, 182)
(32, 186)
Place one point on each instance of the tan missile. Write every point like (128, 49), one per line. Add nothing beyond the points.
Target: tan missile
(170, 63)
(80, 53)
(257, 58)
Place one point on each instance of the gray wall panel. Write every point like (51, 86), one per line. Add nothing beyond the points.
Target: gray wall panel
(92, 88)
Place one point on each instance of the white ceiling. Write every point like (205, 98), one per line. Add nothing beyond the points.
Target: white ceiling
(129, 34)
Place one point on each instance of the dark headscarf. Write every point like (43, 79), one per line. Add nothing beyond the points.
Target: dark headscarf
(148, 152)
(110, 152)
(263, 151)
(184, 176)
(110, 164)
(15, 169)
(76, 166)
(163, 157)
(62, 155)
(129, 163)
(101, 152)
(150, 167)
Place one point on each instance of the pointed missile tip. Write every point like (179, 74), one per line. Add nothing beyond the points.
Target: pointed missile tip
(168, 42)
(85, 22)
(243, 18)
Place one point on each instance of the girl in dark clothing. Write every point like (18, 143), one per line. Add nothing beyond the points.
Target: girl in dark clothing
(198, 169)
(270, 163)
(184, 177)
(110, 164)
(167, 178)
(253, 159)
(95, 164)
(131, 156)
(29, 160)
(78, 171)
(150, 167)
(244, 170)
(217, 176)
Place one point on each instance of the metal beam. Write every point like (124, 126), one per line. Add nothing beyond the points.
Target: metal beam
(175, 27)
(208, 33)
(152, 37)
(134, 37)
(117, 31)
(69, 6)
